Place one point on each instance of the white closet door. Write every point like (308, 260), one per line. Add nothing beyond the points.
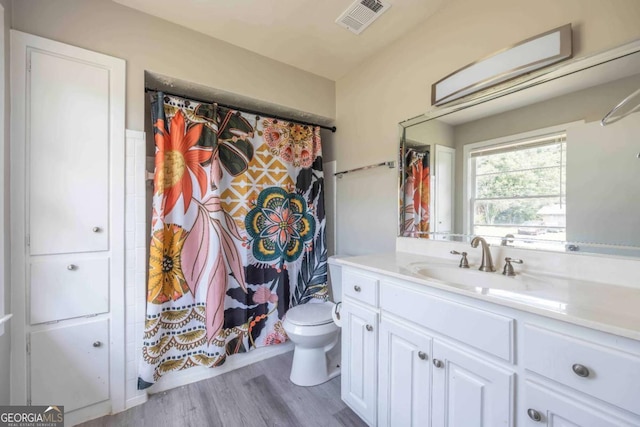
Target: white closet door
(445, 159)
(68, 144)
(70, 365)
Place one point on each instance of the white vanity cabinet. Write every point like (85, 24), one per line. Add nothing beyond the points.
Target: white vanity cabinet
(437, 358)
(462, 385)
(359, 316)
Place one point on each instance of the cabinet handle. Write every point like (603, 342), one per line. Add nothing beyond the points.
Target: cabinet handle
(97, 344)
(438, 363)
(534, 415)
(580, 370)
(357, 288)
(369, 328)
(97, 229)
(71, 267)
(422, 355)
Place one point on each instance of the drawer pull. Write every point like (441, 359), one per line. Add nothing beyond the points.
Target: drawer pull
(71, 267)
(369, 328)
(97, 344)
(97, 229)
(534, 415)
(357, 288)
(580, 370)
(422, 355)
(438, 363)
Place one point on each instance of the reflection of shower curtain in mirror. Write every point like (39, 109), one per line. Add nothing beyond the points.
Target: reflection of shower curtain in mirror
(237, 234)
(416, 193)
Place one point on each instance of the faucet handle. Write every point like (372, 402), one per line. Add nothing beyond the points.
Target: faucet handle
(464, 263)
(508, 268)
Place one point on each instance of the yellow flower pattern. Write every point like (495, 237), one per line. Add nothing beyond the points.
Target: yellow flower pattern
(166, 280)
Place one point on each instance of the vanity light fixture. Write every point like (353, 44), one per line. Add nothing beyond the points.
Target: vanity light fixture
(527, 56)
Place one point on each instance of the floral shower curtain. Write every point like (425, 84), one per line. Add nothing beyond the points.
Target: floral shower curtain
(238, 233)
(416, 192)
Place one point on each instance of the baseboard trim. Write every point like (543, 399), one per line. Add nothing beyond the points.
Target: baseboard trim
(136, 401)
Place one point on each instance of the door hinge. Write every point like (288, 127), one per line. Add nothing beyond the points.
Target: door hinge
(28, 239)
(29, 64)
(29, 348)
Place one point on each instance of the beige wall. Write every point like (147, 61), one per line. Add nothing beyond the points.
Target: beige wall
(150, 43)
(395, 85)
(5, 340)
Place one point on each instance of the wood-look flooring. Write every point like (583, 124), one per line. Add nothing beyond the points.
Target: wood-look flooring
(254, 396)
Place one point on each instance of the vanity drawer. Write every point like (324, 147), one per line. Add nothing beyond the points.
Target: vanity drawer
(360, 286)
(489, 332)
(606, 373)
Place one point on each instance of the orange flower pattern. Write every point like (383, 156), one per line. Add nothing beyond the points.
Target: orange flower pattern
(177, 159)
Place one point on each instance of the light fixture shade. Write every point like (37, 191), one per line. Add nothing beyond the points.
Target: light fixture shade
(524, 57)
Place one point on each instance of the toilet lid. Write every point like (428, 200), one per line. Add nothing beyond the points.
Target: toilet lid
(311, 314)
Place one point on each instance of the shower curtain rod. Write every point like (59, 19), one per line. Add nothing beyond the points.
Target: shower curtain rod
(231, 107)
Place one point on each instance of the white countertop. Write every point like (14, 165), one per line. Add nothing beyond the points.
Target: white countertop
(608, 308)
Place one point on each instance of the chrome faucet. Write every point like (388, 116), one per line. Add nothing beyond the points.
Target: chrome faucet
(487, 261)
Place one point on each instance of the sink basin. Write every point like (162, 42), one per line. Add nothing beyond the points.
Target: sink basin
(533, 289)
(472, 278)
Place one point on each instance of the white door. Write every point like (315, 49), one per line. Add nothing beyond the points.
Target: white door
(359, 359)
(404, 376)
(68, 143)
(70, 365)
(444, 181)
(469, 391)
(544, 407)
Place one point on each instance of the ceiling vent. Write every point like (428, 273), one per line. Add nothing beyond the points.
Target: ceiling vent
(361, 14)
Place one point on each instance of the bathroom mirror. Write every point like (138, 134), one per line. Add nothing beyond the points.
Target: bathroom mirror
(529, 164)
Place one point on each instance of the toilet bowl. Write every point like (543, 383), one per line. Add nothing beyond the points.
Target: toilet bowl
(314, 334)
(316, 337)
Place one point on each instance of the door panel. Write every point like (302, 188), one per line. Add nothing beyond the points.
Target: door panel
(469, 391)
(68, 145)
(404, 376)
(444, 188)
(359, 359)
(67, 369)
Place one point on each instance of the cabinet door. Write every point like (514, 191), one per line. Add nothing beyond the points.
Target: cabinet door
(469, 391)
(70, 365)
(404, 376)
(359, 359)
(68, 123)
(557, 410)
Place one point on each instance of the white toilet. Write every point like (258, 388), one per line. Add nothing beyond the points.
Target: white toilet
(316, 336)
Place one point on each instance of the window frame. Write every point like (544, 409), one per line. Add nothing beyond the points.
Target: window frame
(468, 167)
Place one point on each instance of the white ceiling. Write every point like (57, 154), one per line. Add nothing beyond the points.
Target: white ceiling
(301, 33)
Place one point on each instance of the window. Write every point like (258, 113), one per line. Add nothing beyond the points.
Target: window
(519, 188)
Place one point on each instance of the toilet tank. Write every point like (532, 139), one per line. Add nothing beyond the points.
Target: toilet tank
(335, 278)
